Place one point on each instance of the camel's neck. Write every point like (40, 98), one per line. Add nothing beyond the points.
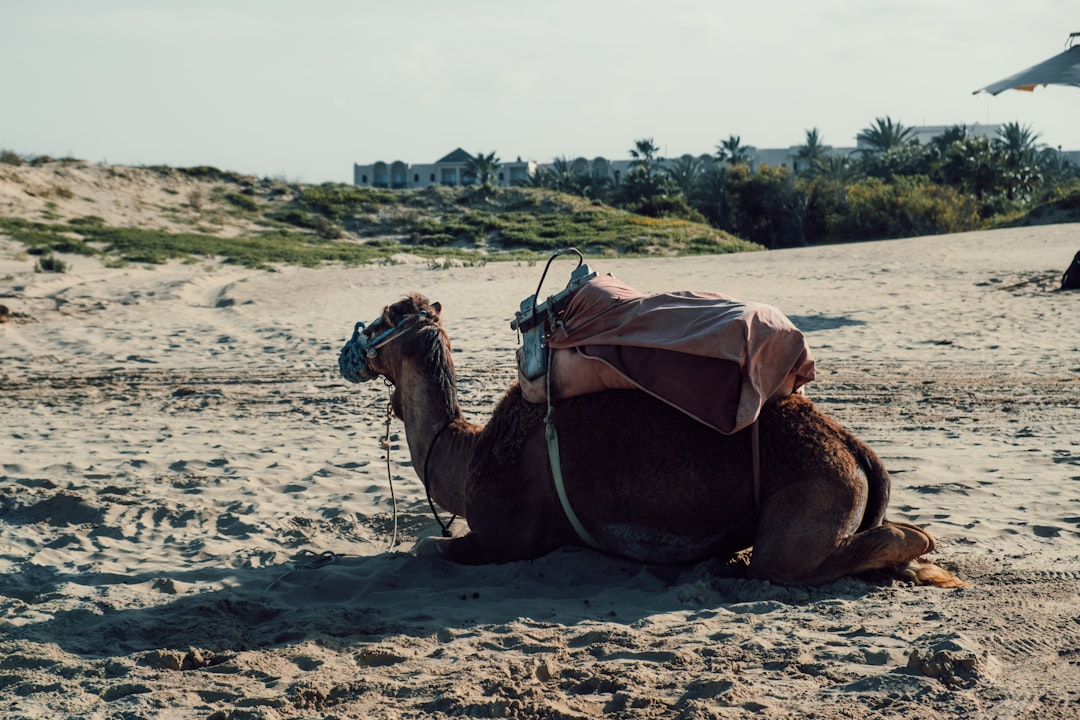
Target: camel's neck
(448, 463)
(441, 441)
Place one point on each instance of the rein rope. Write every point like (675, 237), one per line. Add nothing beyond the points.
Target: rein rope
(389, 475)
(445, 527)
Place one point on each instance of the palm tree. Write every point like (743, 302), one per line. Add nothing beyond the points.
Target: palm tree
(539, 178)
(838, 168)
(1016, 141)
(813, 151)
(939, 144)
(1016, 144)
(642, 179)
(687, 172)
(644, 154)
(1055, 167)
(482, 168)
(885, 135)
(945, 154)
(973, 165)
(596, 185)
(564, 176)
(733, 152)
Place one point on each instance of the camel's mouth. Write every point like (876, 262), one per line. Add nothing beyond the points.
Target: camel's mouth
(353, 359)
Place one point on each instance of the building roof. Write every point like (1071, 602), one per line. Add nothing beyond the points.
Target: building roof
(458, 156)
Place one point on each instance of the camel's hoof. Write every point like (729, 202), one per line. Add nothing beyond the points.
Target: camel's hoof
(429, 547)
(921, 572)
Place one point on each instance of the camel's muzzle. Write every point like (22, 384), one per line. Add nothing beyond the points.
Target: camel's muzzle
(355, 358)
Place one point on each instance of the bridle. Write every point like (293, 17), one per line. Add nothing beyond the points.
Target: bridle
(354, 360)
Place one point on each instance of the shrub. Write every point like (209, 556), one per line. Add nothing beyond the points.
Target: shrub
(242, 201)
(906, 207)
(10, 158)
(666, 206)
(335, 200)
(87, 221)
(50, 263)
(765, 207)
(208, 172)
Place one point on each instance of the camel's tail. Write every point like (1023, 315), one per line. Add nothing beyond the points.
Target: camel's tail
(877, 482)
(916, 570)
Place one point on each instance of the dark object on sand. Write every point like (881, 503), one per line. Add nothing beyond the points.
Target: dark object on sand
(1071, 279)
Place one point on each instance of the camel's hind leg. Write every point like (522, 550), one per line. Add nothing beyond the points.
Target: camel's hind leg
(878, 548)
(892, 545)
(812, 548)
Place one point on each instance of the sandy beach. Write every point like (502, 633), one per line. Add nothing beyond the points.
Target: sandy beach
(195, 516)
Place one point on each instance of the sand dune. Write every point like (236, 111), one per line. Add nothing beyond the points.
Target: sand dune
(179, 452)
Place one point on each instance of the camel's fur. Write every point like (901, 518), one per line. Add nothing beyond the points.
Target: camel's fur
(647, 481)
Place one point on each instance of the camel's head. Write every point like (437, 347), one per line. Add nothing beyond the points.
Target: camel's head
(360, 358)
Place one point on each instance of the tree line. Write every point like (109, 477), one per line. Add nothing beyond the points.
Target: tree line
(892, 186)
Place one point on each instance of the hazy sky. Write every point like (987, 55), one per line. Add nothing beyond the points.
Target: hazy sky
(302, 90)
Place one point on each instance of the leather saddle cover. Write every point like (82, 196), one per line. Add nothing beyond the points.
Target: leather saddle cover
(713, 357)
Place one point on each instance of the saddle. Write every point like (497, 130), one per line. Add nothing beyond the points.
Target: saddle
(713, 357)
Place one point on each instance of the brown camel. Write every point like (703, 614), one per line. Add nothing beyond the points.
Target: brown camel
(645, 481)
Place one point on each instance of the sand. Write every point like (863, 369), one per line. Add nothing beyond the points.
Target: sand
(195, 516)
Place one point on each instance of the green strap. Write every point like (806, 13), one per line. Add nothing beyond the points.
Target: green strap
(560, 487)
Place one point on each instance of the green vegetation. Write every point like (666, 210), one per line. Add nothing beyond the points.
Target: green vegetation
(50, 263)
(135, 245)
(893, 187)
(337, 223)
(437, 224)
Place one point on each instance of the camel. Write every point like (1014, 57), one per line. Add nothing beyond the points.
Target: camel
(645, 481)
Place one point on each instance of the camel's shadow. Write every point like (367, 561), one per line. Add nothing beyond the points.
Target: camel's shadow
(813, 323)
(369, 598)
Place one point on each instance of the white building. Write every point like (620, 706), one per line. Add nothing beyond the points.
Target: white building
(451, 170)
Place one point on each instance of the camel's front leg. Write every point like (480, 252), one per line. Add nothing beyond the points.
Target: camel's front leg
(470, 549)
(464, 550)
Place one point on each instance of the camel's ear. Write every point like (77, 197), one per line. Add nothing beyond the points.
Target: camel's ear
(437, 307)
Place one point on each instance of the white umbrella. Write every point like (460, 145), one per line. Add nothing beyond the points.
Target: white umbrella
(1062, 69)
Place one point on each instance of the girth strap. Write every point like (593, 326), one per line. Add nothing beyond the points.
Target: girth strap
(755, 451)
(560, 486)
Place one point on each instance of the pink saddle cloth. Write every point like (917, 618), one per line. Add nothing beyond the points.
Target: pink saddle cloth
(714, 358)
